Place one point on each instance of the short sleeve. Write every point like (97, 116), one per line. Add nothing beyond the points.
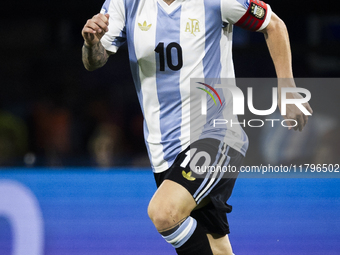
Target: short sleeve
(116, 36)
(252, 15)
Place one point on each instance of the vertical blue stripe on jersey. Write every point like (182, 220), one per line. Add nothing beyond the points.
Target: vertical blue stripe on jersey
(106, 5)
(245, 3)
(131, 7)
(146, 134)
(246, 144)
(212, 64)
(213, 27)
(168, 84)
(121, 39)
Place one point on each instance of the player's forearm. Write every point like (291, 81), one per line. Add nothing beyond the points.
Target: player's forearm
(94, 56)
(279, 47)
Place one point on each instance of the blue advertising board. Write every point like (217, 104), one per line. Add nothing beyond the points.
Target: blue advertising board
(90, 212)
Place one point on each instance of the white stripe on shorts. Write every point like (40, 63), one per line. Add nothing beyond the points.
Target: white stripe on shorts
(213, 181)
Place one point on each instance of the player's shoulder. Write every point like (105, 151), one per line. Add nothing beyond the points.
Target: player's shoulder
(244, 3)
(234, 4)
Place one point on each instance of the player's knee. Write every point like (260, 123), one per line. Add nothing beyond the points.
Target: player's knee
(163, 217)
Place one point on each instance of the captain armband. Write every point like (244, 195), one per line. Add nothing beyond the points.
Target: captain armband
(255, 16)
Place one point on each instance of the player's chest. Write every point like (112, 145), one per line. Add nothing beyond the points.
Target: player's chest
(156, 28)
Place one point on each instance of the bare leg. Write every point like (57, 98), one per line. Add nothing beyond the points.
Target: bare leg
(220, 245)
(170, 204)
(169, 210)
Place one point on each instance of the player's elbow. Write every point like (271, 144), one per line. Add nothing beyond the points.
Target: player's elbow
(275, 25)
(278, 24)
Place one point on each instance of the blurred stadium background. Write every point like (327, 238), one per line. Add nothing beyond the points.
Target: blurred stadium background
(69, 138)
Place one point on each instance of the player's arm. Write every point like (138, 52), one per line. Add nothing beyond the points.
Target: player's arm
(94, 54)
(255, 15)
(277, 39)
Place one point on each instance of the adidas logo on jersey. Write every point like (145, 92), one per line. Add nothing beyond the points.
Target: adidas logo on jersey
(192, 26)
(145, 26)
(188, 176)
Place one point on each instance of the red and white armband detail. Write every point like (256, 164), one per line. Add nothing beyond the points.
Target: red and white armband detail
(255, 16)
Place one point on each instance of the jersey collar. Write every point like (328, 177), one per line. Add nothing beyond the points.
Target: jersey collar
(170, 8)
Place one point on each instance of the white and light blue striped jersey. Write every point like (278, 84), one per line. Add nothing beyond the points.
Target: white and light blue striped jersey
(168, 45)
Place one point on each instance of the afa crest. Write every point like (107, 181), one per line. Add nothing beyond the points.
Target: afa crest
(258, 11)
(192, 26)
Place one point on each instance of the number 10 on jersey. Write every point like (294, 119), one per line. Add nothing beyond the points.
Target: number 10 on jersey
(168, 52)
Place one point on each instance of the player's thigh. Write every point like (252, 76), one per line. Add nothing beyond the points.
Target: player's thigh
(220, 245)
(171, 200)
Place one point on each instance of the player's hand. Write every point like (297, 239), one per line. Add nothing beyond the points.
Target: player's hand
(293, 112)
(95, 29)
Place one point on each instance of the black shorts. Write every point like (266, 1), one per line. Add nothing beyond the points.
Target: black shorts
(208, 167)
